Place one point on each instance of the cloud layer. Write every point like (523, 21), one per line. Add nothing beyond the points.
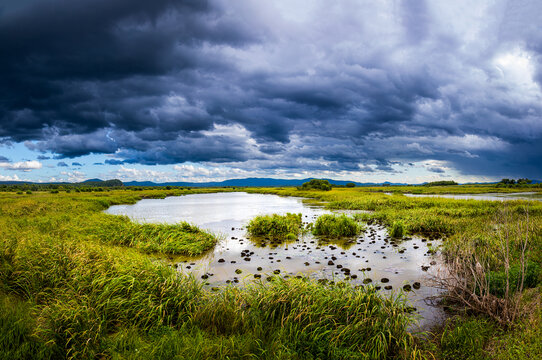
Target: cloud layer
(322, 86)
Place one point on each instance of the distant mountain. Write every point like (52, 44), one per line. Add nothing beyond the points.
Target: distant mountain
(89, 182)
(250, 182)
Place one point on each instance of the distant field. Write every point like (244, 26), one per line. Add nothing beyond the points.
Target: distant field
(78, 283)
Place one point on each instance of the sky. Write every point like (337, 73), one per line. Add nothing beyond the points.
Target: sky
(370, 91)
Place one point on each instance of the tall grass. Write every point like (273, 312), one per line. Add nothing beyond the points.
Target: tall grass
(181, 239)
(336, 226)
(397, 229)
(276, 226)
(68, 292)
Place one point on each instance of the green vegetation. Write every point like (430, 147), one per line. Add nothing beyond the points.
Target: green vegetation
(397, 229)
(497, 279)
(336, 226)
(180, 239)
(316, 184)
(276, 226)
(465, 338)
(66, 291)
(441, 183)
(511, 183)
(77, 283)
(494, 247)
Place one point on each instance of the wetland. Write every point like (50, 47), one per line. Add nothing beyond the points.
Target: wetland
(372, 258)
(176, 273)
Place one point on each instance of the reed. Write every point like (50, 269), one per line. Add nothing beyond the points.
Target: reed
(276, 226)
(336, 226)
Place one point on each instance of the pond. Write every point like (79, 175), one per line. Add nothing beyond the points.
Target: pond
(371, 258)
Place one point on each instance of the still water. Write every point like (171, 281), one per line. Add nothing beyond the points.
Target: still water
(371, 258)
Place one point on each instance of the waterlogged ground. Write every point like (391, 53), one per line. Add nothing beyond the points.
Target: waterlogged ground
(370, 259)
(537, 196)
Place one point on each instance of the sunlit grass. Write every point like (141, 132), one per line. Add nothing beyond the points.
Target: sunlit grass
(276, 226)
(336, 226)
(77, 283)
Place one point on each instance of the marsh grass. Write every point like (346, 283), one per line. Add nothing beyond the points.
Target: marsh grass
(466, 338)
(66, 292)
(304, 317)
(489, 256)
(176, 239)
(397, 229)
(336, 226)
(282, 227)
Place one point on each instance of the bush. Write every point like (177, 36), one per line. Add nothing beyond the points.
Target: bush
(350, 185)
(316, 184)
(497, 279)
(336, 226)
(276, 226)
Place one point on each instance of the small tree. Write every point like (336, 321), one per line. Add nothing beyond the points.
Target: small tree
(350, 185)
(316, 184)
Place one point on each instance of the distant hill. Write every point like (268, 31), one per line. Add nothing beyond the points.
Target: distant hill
(250, 182)
(89, 182)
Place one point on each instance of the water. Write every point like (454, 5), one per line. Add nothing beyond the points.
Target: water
(487, 196)
(373, 255)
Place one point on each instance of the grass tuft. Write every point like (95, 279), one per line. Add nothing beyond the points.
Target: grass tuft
(179, 239)
(397, 229)
(276, 226)
(336, 226)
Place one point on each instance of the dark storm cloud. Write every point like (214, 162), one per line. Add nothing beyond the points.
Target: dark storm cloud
(62, 70)
(436, 170)
(112, 162)
(4, 159)
(366, 87)
(62, 164)
(76, 164)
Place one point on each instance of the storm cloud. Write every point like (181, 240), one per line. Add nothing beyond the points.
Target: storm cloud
(336, 86)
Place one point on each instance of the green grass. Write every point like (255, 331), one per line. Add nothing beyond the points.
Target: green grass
(177, 239)
(336, 226)
(471, 229)
(77, 283)
(276, 226)
(466, 338)
(397, 229)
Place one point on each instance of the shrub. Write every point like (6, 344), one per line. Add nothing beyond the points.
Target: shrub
(336, 226)
(497, 279)
(316, 184)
